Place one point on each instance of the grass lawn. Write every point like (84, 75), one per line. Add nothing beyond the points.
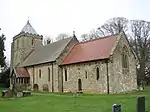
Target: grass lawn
(54, 102)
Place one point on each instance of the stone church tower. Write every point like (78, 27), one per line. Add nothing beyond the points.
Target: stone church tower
(24, 44)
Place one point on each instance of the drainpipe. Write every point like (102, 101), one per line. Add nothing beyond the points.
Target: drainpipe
(107, 76)
(62, 79)
(52, 79)
(33, 77)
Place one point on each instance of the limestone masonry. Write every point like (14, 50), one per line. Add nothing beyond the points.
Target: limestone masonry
(104, 65)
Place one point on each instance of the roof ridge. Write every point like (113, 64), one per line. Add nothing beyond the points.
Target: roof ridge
(69, 51)
(57, 41)
(98, 38)
(66, 46)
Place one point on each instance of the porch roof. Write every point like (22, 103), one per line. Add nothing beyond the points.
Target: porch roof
(21, 72)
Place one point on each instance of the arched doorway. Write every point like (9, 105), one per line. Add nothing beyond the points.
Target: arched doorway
(35, 87)
(79, 85)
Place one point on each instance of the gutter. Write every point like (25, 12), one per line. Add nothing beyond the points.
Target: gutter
(107, 76)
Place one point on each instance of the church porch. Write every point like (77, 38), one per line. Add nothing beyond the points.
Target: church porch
(19, 76)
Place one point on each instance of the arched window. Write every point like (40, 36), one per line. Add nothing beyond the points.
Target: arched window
(86, 74)
(18, 43)
(125, 61)
(32, 41)
(48, 74)
(65, 75)
(40, 73)
(97, 73)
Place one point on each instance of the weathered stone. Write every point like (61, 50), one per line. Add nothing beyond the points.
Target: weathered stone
(55, 83)
(45, 88)
(19, 94)
(118, 82)
(22, 47)
(112, 77)
(89, 85)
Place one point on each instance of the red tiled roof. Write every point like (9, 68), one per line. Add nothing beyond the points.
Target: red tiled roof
(92, 50)
(21, 72)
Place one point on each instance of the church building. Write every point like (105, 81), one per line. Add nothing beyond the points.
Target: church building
(105, 65)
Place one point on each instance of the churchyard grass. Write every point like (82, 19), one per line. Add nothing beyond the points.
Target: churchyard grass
(55, 102)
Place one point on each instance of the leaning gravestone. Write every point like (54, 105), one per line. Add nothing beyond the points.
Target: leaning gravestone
(140, 106)
(116, 108)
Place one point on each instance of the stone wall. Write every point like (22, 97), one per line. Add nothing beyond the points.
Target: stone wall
(21, 51)
(57, 72)
(43, 80)
(59, 61)
(22, 47)
(120, 82)
(89, 84)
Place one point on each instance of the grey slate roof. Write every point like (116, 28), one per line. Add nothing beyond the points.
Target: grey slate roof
(48, 53)
(29, 29)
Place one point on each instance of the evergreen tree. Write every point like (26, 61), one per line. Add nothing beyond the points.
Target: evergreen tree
(2, 49)
(5, 74)
(5, 80)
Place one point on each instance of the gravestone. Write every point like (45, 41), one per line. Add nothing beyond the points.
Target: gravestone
(4, 92)
(116, 108)
(140, 106)
(19, 94)
(26, 93)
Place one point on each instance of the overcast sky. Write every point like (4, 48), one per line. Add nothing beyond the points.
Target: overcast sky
(51, 17)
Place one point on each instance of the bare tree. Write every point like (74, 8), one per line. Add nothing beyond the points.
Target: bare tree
(93, 34)
(85, 37)
(47, 40)
(138, 33)
(62, 36)
(140, 41)
(114, 26)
